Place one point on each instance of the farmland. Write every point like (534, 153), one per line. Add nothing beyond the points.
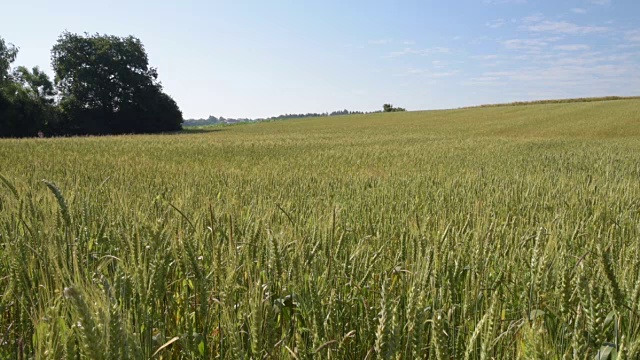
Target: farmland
(494, 232)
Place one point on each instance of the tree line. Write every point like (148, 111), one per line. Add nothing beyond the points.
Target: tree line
(212, 120)
(103, 85)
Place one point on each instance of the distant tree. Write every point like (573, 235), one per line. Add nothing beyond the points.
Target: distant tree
(107, 87)
(390, 108)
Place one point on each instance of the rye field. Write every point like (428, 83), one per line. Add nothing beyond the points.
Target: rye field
(508, 232)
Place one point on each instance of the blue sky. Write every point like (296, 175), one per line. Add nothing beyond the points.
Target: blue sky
(263, 58)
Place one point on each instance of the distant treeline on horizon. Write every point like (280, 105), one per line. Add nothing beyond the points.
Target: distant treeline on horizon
(212, 120)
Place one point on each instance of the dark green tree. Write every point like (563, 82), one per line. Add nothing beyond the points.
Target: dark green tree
(8, 53)
(26, 98)
(21, 113)
(37, 83)
(107, 87)
(390, 108)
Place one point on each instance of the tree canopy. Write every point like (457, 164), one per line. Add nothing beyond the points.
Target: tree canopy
(103, 85)
(8, 54)
(390, 108)
(107, 85)
(21, 112)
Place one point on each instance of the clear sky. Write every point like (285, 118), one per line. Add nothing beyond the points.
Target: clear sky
(259, 58)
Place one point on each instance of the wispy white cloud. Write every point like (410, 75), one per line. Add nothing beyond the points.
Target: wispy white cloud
(439, 75)
(564, 27)
(432, 75)
(631, 45)
(551, 56)
(561, 76)
(486, 57)
(481, 39)
(584, 59)
(421, 52)
(485, 78)
(495, 24)
(380, 42)
(573, 47)
(558, 74)
(533, 18)
(529, 44)
(439, 64)
(499, 2)
(524, 43)
(573, 73)
(633, 35)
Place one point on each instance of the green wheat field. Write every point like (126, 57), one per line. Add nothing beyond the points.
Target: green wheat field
(508, 232)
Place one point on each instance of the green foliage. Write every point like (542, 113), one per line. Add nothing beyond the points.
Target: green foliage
(8, 53)
(37, 83)
(22, 113)
(108, 87)
(488, 233)
(105, 87)
(389, 108)
(26, 97)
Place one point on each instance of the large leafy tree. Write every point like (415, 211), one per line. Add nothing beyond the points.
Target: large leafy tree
(26, 97)
(107, 86)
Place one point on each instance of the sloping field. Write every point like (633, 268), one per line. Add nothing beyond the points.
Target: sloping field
(498, 232)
